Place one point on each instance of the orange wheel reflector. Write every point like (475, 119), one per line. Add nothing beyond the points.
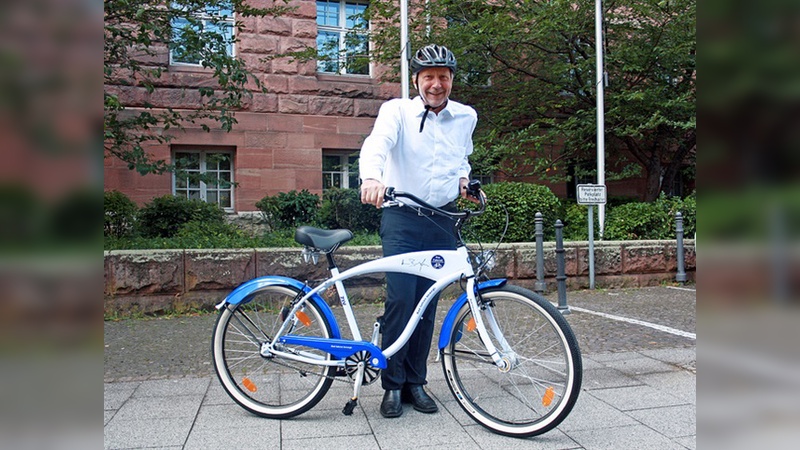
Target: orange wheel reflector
(303, 317)
(249, 385)
(471, 325)
(548, 396)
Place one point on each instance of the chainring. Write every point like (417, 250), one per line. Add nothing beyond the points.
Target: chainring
(351, 367)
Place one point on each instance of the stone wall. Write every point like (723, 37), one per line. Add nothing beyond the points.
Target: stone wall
(153, 281)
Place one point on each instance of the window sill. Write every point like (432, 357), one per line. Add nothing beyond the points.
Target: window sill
(186, 67)
(363, 79)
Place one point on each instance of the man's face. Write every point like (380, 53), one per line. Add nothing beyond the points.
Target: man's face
(435, 84)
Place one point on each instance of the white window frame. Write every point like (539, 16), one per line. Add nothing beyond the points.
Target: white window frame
(202, 188)
(206, 18)
(342, 31)
(344, 168)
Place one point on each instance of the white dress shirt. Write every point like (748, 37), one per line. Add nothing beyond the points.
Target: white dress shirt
(427, 164)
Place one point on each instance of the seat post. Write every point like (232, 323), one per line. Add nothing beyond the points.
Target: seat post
(331, 263)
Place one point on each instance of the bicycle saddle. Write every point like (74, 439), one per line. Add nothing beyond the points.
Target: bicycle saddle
(325, 241)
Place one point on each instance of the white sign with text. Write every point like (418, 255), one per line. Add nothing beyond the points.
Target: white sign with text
(591, 194)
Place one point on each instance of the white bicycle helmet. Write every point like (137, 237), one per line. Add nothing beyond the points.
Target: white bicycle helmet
(433, 56)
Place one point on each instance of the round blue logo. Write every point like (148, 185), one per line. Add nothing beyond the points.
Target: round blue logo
(437, 262)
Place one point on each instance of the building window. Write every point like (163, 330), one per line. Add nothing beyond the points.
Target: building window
(207, 31)
(204, 174)
(339, 170)
(579, 172)
(484, 179)
(342, 41)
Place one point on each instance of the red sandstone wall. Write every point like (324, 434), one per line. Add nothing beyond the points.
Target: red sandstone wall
(158, 280)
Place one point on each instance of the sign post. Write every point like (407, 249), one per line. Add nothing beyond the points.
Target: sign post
(591, 195)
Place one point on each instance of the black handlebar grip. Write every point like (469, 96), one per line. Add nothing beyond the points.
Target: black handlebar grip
(474, 188)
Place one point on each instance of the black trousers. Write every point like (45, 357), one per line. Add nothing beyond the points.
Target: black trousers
(404, 230)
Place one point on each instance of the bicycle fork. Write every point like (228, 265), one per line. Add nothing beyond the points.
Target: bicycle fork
(504, 358)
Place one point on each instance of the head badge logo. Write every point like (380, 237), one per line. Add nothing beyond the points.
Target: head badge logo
(437, 262)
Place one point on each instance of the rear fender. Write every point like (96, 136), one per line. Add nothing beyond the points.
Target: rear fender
(245, 292)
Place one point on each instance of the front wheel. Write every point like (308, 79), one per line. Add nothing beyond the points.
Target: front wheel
(538, 387)
(267, 385)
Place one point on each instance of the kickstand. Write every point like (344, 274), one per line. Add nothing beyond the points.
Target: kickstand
(351, 404)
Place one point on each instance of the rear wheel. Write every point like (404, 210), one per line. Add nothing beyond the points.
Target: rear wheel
(540, 385)
(269, 386)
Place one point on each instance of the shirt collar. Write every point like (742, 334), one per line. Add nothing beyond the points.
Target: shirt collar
(419, 106)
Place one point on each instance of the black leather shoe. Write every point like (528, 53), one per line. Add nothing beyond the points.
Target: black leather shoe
(422, 402)
(391, 405)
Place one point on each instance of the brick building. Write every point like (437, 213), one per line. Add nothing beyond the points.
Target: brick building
(299, 134)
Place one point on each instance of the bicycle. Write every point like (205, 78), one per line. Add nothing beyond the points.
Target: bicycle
(510, 359)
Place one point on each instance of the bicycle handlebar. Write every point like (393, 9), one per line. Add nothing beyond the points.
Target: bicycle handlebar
(473, 190)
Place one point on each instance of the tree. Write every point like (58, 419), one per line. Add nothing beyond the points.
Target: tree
(138, 33)
(529, 69)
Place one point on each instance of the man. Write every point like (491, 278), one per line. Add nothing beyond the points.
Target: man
(419, 146)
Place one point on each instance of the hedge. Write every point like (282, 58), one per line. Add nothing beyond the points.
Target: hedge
(519, 202)
(174, 222)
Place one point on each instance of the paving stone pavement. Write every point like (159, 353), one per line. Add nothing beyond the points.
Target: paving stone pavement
(638, 388)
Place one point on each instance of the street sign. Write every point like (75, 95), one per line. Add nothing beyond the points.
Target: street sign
(591, 194)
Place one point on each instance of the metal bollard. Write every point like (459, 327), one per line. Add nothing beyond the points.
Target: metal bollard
(540, 286)
(681, 275)
(561, 278)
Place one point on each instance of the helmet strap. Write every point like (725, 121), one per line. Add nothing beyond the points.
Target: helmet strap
(424, 116)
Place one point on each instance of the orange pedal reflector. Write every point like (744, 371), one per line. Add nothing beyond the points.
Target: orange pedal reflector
(303, 317)
(472, 325)
(249, 385)
(548, 396)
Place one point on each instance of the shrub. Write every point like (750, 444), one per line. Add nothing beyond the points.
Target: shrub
(522, 201)
(342, 208)
(654, 220)
(576, 222)
(688, 209)
(200, 234)
(636, 221)
(289, 209)
(164, 216)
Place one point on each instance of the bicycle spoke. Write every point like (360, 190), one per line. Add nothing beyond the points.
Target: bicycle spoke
(269, 385)
(538, 389)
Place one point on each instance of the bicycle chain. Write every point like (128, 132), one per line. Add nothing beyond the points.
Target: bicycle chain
(340, 378)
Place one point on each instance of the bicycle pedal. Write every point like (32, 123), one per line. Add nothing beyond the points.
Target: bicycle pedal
(349, 407)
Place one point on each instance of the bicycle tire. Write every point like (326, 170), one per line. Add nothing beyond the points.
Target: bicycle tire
(270, 386)
(540, 389)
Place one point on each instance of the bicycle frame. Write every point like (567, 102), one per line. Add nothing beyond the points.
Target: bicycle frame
(444, 267)
(504, 349)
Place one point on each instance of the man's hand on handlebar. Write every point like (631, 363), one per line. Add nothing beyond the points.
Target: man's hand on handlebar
(372, 192)
(471, 190)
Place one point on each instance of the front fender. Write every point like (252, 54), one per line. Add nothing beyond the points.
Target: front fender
(245, 292)
(450, 319)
